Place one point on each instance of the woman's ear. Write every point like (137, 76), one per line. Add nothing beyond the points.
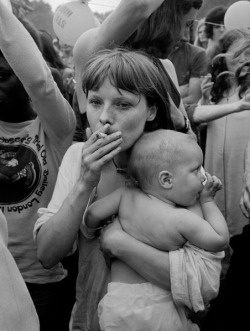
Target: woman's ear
(152, 111)
(166, 179)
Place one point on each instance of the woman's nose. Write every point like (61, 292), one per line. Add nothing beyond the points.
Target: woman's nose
(107, 115)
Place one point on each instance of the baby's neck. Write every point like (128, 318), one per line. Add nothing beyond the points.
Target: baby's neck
(155, 194)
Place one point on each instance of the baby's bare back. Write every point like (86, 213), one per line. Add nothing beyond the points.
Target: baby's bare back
(150, 220)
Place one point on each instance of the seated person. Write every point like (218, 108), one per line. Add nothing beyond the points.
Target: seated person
(167, 167)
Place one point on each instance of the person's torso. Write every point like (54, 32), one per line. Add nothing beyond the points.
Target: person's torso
(29, 163)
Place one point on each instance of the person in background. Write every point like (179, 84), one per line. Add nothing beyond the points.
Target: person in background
(225, 315)
(54, 60)
(161, 164)
(227, 126)
(214, 28)
(191, 64)
(200, 35)
(17, 311)
(36, 128)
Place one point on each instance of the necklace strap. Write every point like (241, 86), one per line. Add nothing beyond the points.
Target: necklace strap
(122, 171)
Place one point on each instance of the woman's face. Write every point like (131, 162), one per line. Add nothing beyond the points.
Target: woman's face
(122, 110)
(201, 34)
(233, 63)
(218, 30)
(12, 92)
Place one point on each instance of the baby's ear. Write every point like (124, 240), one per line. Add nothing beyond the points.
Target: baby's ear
(166, 179)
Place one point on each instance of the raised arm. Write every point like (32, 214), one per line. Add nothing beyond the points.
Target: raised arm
(27, 62)
(117, 27)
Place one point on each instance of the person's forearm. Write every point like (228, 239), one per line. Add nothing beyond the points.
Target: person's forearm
(20, 50)
(214, 217)
(150, 263)
(56, 237)
(207, 113)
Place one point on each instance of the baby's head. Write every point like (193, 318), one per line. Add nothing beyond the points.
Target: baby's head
(168, 162)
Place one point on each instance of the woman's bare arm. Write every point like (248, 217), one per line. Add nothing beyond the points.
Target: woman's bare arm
(207, 113)
(150, 263)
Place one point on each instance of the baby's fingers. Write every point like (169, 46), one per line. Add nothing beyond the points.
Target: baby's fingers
(216, 183)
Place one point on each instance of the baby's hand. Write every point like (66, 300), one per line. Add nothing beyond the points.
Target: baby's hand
(213, 185)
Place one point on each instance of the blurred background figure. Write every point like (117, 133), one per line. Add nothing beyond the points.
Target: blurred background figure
(200, 35)
(55, 60)
(228, 131)
(214, 27)
(190, 63)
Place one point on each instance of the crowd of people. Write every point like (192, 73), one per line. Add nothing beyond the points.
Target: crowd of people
(108, 220)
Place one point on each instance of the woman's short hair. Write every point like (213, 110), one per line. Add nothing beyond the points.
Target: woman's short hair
(214, 16)
(132, 71)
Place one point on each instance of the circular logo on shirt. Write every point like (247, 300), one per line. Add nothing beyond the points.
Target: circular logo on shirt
(19, 173)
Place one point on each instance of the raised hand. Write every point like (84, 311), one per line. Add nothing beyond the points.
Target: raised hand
(213, 185)
(98, 150)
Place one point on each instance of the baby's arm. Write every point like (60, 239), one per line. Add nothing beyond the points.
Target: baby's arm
(212, 234)
(102, 209)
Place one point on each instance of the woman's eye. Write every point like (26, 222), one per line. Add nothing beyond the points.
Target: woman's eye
(94, 102)
(123, 105)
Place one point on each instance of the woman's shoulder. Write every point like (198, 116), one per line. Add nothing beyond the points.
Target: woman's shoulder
(74, 153)
(169, 67)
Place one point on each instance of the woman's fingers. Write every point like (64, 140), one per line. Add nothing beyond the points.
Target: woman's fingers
(245, 203)
(101, 148)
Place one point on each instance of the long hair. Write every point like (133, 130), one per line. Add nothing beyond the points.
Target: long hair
(162, 29)
(243, 72)
(219, 70)
(197, 41)
(49, 53)
(132, 71)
